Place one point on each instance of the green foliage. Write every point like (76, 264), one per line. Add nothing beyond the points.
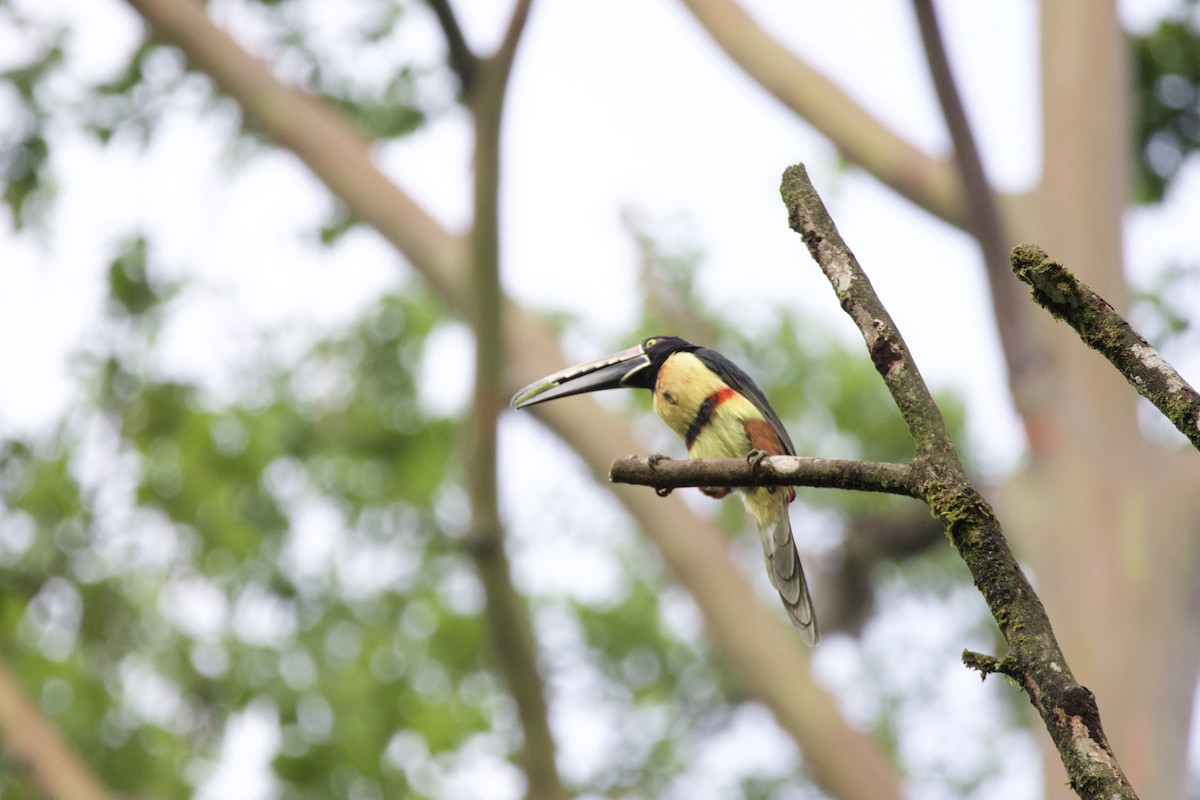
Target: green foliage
(189, 588)
(668, 695)
(173, 557)
(1167, 104)
(24, 150)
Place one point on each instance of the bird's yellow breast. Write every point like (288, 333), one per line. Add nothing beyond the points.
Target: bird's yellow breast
(683, 386)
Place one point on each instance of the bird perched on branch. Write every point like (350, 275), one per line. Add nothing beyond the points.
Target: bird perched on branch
(719, 412)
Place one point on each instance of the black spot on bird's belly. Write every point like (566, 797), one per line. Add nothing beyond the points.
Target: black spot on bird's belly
(669, 398)
(704, 414)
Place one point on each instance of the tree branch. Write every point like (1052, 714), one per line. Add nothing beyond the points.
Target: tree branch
(1022, 355)
(824, 473)
(930, 183)
(1034, 660)
(507, 616)
(459, 55)
(808, 217)
(752, 640)
(30, 739)
(506, 53)
(1105, 331)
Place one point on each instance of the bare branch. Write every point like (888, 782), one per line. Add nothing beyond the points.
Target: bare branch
(459, 55)
(507, 51)
(30, 739)
(824, 473)
(1105, 331)
(1021, 353)
(1034, 659)
(328, 146)
(505, 611)
(929, 182)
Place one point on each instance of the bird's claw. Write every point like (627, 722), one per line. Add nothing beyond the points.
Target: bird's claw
(755, 458)
(652, 461)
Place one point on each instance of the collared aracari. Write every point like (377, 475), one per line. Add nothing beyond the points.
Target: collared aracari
(720, 412)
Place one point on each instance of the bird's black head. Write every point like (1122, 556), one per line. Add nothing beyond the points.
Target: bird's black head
(657, 349)
(636, 367)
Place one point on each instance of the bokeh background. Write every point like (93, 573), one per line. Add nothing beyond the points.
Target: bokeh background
(248, 544)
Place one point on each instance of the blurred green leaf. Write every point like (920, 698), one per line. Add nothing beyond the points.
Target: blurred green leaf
(1167, 104)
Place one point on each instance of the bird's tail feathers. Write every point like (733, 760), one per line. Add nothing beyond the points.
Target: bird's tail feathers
(787, 574)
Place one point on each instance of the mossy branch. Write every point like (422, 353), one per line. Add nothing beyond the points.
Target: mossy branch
(1034, 660)
(1105, 331)
(936, 476)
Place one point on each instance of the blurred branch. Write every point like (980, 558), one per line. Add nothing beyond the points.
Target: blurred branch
(825, 473)
(505, 54)
(1022, 354)
(871, 539)
(752, 640)
(459, 55)
(32, 740)
(326, 144)
(1034, 660)
(507, 617)
(930, 183)
(1105, 331)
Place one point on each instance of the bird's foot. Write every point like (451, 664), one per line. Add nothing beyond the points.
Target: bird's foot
(652, 461)
(716, 492)
(755, 458)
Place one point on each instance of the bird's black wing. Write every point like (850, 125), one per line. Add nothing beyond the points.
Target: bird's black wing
(737, 379)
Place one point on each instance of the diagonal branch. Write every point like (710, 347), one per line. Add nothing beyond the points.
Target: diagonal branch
(822, 473)
(506, 52)
(459, 55)
(1105, 331)
(1021, 353)
(930, 183)
(808, 217)
(31, 740)
(1034, 660)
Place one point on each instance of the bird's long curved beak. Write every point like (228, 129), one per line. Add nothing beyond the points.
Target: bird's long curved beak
(610, 372)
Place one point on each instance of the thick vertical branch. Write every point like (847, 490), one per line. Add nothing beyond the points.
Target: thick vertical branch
(508, 618)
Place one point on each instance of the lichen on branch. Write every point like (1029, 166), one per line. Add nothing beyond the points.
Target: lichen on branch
(1104, 330)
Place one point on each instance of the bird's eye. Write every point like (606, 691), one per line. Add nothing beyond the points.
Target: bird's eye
(650, 343)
